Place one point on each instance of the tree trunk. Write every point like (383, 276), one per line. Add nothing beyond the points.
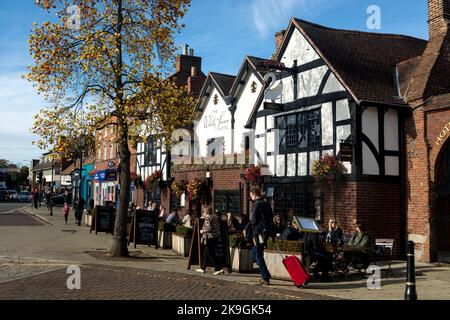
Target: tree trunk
(120, 242)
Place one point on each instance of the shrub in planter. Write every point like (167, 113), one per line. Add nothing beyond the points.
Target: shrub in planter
(285, 245)
(184, 231)
(166, 227)
(238, 241)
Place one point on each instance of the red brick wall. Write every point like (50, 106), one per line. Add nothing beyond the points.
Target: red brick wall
(223, 179)
(418, 184)
(378, 204)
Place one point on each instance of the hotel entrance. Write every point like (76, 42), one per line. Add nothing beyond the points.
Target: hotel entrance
(443, 204)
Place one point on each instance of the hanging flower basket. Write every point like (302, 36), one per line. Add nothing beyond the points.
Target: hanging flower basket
(153, 181)
(326, 170)
(178, 188)
(252, 176)
(193, 189)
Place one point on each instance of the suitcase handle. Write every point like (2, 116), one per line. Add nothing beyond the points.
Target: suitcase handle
(279, 251)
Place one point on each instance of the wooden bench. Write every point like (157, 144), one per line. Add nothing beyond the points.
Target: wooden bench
(384, 252)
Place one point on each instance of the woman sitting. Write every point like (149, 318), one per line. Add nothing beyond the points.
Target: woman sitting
(362, 243)
(233, 223)
(334, 233)
(187, 220)
(278, 226)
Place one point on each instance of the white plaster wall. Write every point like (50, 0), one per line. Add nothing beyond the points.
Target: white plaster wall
(298, 49)
(309, 81)
(342, 110)
(214, 123)
(327, 124)
(271, 165)
(260, 146)
(270, 122)
(333, 85)
(291, 165)
(260, 127)
(392, 166)
(281, 166)
(271, 141)
(245, 102)
(302, 164)
(370, 165)
(370, 126)
(313, 156)
(391, 130)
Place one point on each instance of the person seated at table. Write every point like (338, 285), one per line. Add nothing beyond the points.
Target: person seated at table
(244, 222)
(334, 233)
(314, 248)
(187, 220)
(233, 223)
(278, 225)
(291, 232)
(173, 219)
(162, 212)
(362, 242)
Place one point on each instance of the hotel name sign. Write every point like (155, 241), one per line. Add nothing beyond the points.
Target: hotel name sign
(443, 134)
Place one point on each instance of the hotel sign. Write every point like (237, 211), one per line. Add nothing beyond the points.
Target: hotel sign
(346, 152)
(443, 134)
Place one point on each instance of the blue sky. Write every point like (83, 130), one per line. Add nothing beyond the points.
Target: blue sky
(222, 32)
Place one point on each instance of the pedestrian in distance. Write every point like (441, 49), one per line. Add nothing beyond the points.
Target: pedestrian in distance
(66, 212)
(210, 235)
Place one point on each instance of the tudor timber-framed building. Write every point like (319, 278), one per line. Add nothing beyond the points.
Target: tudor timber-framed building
(389, 95)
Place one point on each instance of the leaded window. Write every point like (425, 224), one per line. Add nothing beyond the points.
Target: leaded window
(299, 132)
(151, 152)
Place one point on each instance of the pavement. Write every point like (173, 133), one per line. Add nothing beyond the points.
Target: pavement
(34, 260)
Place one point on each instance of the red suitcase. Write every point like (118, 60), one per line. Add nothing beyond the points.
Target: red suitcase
(296, 270)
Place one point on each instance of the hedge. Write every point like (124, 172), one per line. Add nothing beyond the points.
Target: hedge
(285, 245)
(184, 231)
(237, 241)
(166, 227)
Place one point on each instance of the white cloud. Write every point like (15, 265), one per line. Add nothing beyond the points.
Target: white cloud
(270, 15)
(19, 102)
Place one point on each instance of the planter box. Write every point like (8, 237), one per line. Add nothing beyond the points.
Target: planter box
(88, 220)
(181, 245)
(165, 239)
(241, 260)
(275, 265)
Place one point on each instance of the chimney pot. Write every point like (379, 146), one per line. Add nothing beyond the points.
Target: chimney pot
(191, 52)
(194, 71)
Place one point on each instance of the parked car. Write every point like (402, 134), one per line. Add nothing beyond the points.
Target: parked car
(13, 195)
(3, 195)
(24, 196)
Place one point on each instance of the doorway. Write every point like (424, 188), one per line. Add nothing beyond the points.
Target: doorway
(443, 204)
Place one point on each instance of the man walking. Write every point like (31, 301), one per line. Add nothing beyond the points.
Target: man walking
(261, 218)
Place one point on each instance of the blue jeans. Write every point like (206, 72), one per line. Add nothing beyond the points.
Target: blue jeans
(258, 255)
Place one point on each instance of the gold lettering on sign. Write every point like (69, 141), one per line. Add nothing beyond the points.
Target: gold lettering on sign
(443, 134)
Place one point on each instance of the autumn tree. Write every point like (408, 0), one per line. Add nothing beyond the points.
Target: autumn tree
(97, 66)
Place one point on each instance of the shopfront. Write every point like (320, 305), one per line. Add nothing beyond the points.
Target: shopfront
(106, 187)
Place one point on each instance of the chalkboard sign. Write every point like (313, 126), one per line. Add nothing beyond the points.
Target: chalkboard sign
(222, 249)
(103, 219)
(144, 228)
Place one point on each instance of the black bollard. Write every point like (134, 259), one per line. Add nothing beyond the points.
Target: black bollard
(410, 292)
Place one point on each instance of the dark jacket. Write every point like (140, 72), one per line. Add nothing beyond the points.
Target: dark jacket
(290, 233)
(335, 236)
(261, 219)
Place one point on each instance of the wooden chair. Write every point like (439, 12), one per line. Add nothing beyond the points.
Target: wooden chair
(384, 252)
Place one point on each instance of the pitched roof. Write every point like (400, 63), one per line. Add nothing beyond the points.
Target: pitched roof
(223, 81)
(431, 76)
(406, 70)
(249, 62)
(364, 62)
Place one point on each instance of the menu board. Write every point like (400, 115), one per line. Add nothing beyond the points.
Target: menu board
(145, 228)
(103, 220)
(222, 249)
(307, 224)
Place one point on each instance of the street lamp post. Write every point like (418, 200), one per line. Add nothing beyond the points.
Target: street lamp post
(51, 190)
(80, 180)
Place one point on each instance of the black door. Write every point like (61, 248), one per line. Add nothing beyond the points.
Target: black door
(443, 204)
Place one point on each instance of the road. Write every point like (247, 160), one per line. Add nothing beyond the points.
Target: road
(36, 252)
(12, 214)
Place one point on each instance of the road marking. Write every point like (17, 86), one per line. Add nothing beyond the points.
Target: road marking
(17, 209)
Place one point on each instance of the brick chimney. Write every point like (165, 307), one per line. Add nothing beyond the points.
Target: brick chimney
(195, 82)
(438, 17)
(279, 37)
(186, 61)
